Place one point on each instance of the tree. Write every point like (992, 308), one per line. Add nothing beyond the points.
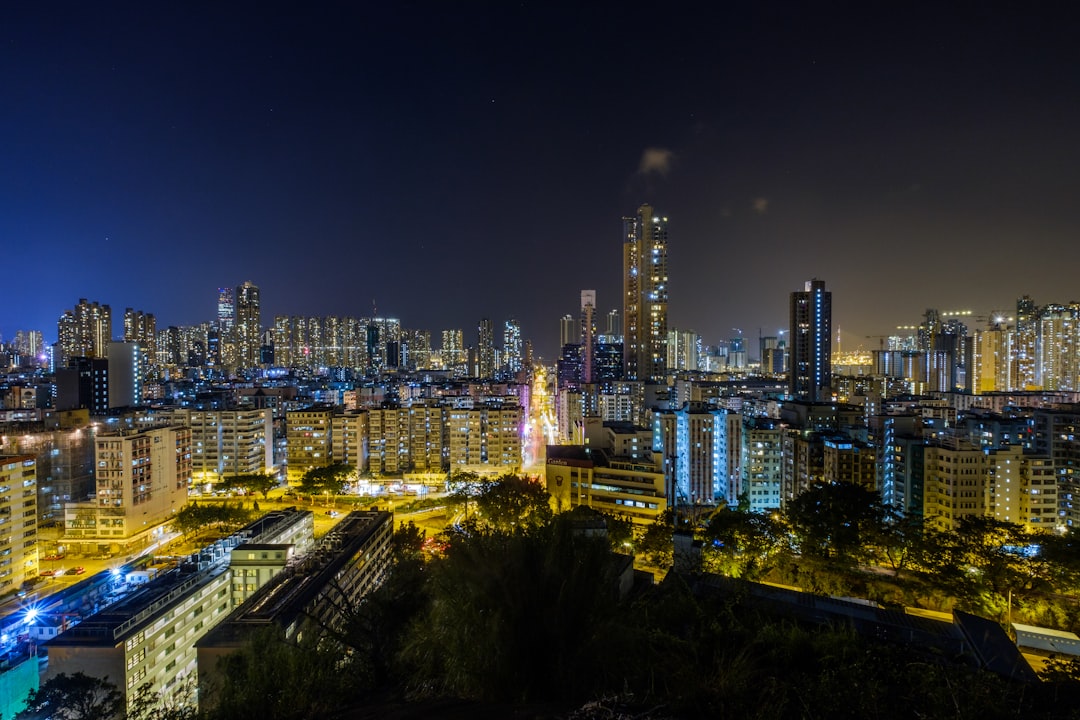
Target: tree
(74, 697)
(515, 616)
(657, 543)
(743, 544)
(194, 518)
(327, 480)
(836, 520)
(272, 676)
(513, 503)
(254, 483)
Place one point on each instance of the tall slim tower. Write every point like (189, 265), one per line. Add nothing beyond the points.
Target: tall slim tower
(512, 347)
(248, 331)
(810, 376)
(588, 333)
(645, 295)
(485, 349)
(226, 309)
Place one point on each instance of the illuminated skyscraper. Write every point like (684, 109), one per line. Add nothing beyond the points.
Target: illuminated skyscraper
(141, 328)
(810, 375)
(569, 331)
(248, 331)
(645, 295)
(85, 331)
(512, 347)
(1025, 373)
(453, 349)
(226, 309)
(588, 334)
(485, 349)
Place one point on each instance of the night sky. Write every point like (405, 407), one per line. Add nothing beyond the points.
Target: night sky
(453, 161)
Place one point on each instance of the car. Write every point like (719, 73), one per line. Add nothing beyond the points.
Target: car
(46, 573)
(54, 557)
(333, 513)
(59, 572)
(78, 570)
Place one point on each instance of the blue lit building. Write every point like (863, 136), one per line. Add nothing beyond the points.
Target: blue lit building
(810, 368)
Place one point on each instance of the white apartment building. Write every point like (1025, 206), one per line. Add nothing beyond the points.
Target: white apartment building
(227, 443)
(141, 478)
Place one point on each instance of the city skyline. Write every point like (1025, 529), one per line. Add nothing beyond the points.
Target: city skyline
(914, 158)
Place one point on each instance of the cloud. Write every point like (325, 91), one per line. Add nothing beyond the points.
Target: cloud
(760, 205)
(656, 160)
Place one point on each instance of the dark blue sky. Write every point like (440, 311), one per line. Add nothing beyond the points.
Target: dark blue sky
(459, 160)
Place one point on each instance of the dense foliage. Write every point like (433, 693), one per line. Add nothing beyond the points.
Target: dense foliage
(523, 609)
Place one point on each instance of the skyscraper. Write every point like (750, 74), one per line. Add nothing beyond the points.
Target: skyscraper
(810, 374)
(645, 295)
(85, 331)
(248, 331)
(588, 333)
(512, 347)
(226, 309)
(485, 349)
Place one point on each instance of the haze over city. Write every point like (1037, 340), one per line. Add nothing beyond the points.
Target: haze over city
(452, 163)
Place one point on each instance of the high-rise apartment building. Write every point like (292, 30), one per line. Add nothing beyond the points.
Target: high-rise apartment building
(142, 478)
(512, 359)
(453, 349)
(248, 330)
(18, 520)
(85, 331)
(588, 334)
(810, 366)
(1058, 347)
(485, 349)
(645, 295)
(227, 443)
(1025, 376)
(308, 442)
(141, 328)
(484, 436)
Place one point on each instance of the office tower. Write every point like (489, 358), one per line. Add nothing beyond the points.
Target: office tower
(588, 334)
(645, 295)
(226, 310)
(810, 373)
(485, 349)
(85, 331)
(248, 331)
(512, 359)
